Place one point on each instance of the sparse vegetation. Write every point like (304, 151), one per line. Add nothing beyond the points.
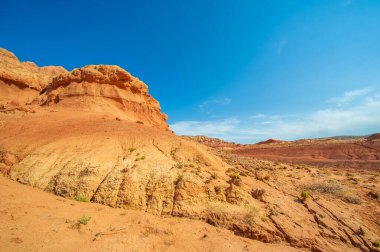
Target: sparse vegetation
(352, 199)
(235, 175)
(249, 217)
(82, 198)
(179, 179)
(178, 166)
(84, 220)
(328, 187)
(305, 196)
(140, 158)
(132, 149)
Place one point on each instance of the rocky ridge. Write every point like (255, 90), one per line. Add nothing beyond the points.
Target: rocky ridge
(102, 88)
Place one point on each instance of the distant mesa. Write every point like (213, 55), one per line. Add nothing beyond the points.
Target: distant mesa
(374, 137)
(213, 142)
(271, 141)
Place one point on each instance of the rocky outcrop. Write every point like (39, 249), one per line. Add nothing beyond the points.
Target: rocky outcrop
(95, 88)
(272, 141)
(213, 142)
(21, 81)
(374, 137)
(105, 88)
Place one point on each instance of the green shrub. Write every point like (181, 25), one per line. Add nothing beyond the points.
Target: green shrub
(305, 195)
(82, 198)
(235, 175)
(84, 220)
(132, 149)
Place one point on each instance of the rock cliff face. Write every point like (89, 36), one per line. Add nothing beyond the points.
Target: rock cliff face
(16, 76)
(97, 88)
(105, 88)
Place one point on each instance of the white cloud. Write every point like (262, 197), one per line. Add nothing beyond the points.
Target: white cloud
(258, 116)
(355, 118)
(207, 107)
(209, 128)
(349, 96)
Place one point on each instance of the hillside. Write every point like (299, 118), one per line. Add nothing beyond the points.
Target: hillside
(95, 134)
(347, 152)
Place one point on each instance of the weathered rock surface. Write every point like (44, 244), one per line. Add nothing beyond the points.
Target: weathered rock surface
(108, 89)
(105, 88)
(213, 142)
(16, 76)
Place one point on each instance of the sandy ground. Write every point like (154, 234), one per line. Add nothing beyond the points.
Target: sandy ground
(32, 220)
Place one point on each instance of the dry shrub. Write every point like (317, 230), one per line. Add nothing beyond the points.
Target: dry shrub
(327, 187)
(258, 194)
(353, 199)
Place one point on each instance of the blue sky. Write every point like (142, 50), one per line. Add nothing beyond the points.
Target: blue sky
(240, 70)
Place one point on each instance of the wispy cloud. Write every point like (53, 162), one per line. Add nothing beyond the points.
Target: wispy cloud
(349, 96)
(209, 128)
(357, 116)
(208, 106)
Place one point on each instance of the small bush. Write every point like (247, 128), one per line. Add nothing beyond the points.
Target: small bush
(132, 149)
(84, 220)
(328, 187)
(353, 199)
(235, 175)
(178, 166)
(82, 198)
(249, 217)
(179, 178)
(140, 158)
(305, 195)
